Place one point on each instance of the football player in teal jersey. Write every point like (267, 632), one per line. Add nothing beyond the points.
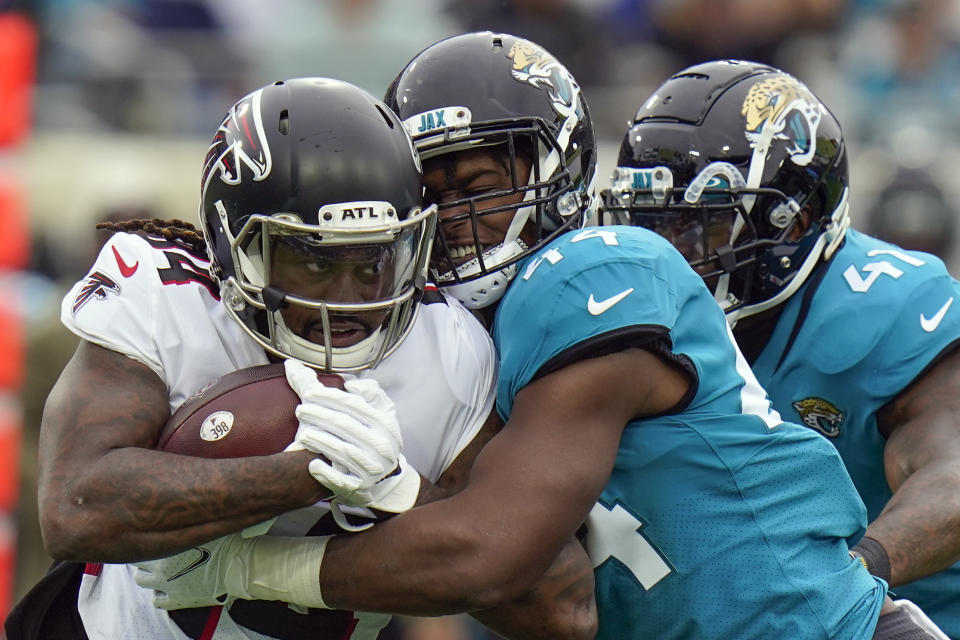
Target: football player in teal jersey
(744, 170)
(629, 408)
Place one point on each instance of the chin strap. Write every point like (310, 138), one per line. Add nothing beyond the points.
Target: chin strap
(485, 290)
(839, 223)
(720, 293)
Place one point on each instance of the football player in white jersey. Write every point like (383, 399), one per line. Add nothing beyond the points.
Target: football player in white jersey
(313, 249)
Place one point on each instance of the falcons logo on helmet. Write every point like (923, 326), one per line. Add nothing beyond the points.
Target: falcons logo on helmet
(97, 285)
(240, 142)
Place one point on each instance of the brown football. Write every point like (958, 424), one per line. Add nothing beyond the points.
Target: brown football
(261, 407)
(249, 412)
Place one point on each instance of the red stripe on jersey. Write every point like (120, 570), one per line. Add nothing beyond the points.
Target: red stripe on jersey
(350, 628)
(211, 624)
(93, 568)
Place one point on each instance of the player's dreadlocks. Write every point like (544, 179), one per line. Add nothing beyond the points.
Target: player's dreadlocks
(175, 230)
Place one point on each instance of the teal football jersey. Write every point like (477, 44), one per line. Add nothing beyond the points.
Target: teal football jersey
(849, 341)
(719, 520)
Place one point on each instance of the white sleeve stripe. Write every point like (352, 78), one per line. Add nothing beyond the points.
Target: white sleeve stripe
(753, 397)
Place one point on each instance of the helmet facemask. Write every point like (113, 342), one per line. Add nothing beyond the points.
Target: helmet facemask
(709, 221)
(339, 295)
(536, 186)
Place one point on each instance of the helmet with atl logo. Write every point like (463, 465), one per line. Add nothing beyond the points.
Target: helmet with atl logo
(311, 209)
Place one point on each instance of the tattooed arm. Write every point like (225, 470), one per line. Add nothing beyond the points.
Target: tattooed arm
(920, 527)
(106, 496)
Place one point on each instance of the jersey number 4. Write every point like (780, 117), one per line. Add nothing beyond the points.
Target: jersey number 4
(553, 256)
(183, 270)
(613, 533)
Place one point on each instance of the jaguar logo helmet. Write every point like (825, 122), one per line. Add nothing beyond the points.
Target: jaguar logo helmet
(498, 91)
(745, 171)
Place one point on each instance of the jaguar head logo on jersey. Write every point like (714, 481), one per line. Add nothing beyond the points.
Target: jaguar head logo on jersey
(97, 285)
(791, 112)
(536, 67)
(239, 142)
(821, 415)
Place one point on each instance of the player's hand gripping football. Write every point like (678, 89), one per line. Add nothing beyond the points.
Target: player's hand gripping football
(358, 435)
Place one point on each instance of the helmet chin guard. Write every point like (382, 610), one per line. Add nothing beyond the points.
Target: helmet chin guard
(488, 288)
(366, 353)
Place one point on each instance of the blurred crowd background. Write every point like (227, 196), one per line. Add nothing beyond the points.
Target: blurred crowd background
(107, 106)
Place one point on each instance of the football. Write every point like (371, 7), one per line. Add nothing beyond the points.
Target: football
(249, 412)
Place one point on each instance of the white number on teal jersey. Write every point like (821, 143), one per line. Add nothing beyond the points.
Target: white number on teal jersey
(874, 270)
(615, 533)
(553, 256)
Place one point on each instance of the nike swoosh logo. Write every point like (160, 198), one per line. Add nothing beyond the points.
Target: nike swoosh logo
(125, 270)
(930, 325)
(597, 307)
(199, 562)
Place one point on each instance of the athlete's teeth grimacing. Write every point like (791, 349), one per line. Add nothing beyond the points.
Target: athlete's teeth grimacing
(462, 252)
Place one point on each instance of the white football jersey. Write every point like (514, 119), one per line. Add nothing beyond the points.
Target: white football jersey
(154, 301)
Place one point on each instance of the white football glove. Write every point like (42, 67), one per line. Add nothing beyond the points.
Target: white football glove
(357, 431)
(234, 567)
(360, 440)
(193, 578)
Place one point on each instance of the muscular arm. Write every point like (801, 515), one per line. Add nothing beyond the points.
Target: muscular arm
(530, 489)
(560, 604)
(920, 526)
(106, 496)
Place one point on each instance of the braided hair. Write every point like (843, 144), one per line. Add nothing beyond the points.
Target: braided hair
(175, 230)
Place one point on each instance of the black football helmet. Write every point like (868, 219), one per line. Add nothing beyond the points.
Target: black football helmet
(496, 90)
(311, 210)
(724, 159)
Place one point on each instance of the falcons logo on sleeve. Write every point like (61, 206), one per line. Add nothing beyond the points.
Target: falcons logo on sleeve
(97, 285)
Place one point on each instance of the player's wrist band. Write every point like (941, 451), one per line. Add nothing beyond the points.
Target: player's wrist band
(285, 569)
(873, 556)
